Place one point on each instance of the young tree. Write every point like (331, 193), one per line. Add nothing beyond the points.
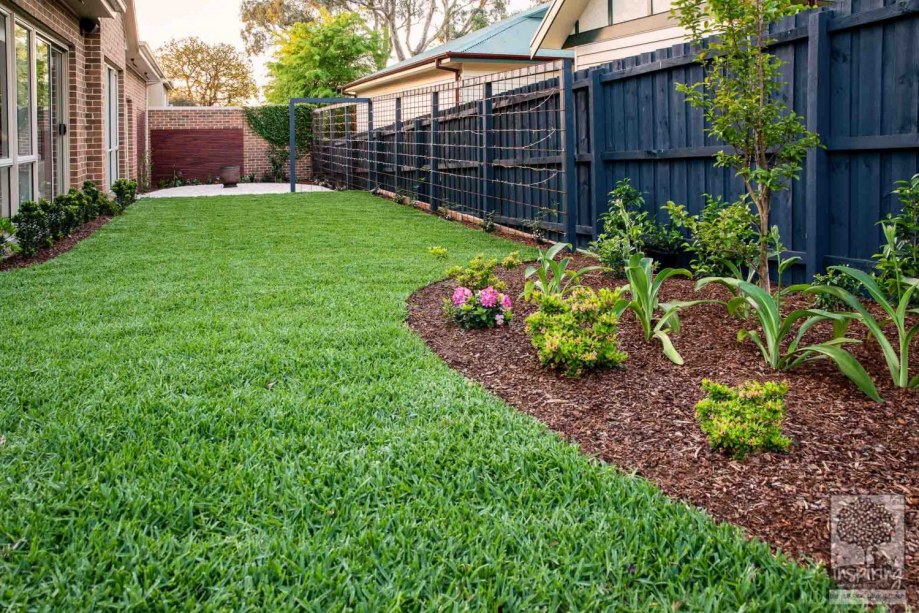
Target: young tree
(315, 59)
(409, 26)
(206, 74)
(740, 96)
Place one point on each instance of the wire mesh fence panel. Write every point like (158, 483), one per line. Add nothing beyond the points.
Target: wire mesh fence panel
(491, 147)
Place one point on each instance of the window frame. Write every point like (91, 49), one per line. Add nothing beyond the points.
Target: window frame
(112, 125)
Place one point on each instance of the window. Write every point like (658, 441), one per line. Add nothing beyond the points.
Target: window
(24, 90)
(32, 112)
(49, 68)
(112, 133)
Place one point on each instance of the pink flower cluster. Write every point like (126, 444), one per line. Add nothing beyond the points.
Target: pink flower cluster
(490, 298)
(461, 295)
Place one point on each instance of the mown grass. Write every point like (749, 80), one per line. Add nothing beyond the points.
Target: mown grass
(216, 403)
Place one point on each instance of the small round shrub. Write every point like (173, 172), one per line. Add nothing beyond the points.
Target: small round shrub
(577, 332)
(743, 419)
(479, 274)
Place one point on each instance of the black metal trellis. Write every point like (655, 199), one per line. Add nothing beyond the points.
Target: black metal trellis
(292, 118)
(498, 148)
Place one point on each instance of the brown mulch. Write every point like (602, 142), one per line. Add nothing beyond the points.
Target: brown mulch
(641, 417)
(62, 246)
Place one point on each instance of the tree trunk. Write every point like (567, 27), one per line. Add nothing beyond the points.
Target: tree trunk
(762, 207)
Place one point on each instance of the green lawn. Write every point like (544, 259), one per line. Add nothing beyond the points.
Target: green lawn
(216, 402)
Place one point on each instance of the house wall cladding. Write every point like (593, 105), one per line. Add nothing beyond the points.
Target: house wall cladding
(200, 128)
(852, 70)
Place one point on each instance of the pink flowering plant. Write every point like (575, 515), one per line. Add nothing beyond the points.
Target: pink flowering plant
(485, 308)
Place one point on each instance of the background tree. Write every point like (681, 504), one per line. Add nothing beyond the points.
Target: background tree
(409, 26)
(740, 95)
(207, 74)
(318, 57)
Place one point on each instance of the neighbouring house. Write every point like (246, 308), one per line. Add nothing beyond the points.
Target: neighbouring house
(599, 31)
(498, 47)
(75, 84)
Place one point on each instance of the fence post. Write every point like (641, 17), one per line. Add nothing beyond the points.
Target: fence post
(570, 193)
(371, 149)
(417, 162)
(347, 113)
(434, 154)
(397, 155)
(597, 145)
(487, 157)
(292, 126)
(816, 196)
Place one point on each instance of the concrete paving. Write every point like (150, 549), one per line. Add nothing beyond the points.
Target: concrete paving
(243, 189)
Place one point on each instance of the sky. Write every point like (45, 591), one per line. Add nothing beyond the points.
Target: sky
(214, 21)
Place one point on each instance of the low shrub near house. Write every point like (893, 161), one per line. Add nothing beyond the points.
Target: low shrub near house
(7, 229)
(125, 192)
(479, 274)
(39, 224)
(577, 332)
(485, 308)
(743, 419)
(32, 232)
(101, 204)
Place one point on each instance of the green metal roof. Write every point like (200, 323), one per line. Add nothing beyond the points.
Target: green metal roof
(510, 36)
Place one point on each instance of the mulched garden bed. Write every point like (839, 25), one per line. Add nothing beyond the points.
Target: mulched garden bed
(62, 246)
(641, 417)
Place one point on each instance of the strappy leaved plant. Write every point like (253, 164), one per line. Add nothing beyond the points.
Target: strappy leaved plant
(895, 350)
(550, 277)
(658, 319)
(780, 341)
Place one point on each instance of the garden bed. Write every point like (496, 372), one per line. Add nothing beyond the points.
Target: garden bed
(17, 260)
(641, 417)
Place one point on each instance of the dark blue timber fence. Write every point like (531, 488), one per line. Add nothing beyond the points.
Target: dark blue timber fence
(851, 69)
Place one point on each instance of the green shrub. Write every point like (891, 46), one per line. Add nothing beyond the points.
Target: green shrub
(7, 230)
(724, 238)
(479, 274)
(32, 232)
(512, 261)
(834, 278)
(629, 230)
(100, 203)
(743, 419)
(125, 192)
(438, 252)
(55, 219)
(577, 332)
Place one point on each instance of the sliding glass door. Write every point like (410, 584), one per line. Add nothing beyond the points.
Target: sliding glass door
(49, 68)
(33, 151)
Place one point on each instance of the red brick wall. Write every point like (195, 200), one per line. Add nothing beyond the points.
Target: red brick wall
(254, 149)
(196, 154)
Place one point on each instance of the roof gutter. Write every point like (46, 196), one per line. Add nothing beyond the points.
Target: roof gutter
(438, 64)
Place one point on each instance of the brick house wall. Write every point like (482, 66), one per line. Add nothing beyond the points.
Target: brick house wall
(87, 56)
(168, 124)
